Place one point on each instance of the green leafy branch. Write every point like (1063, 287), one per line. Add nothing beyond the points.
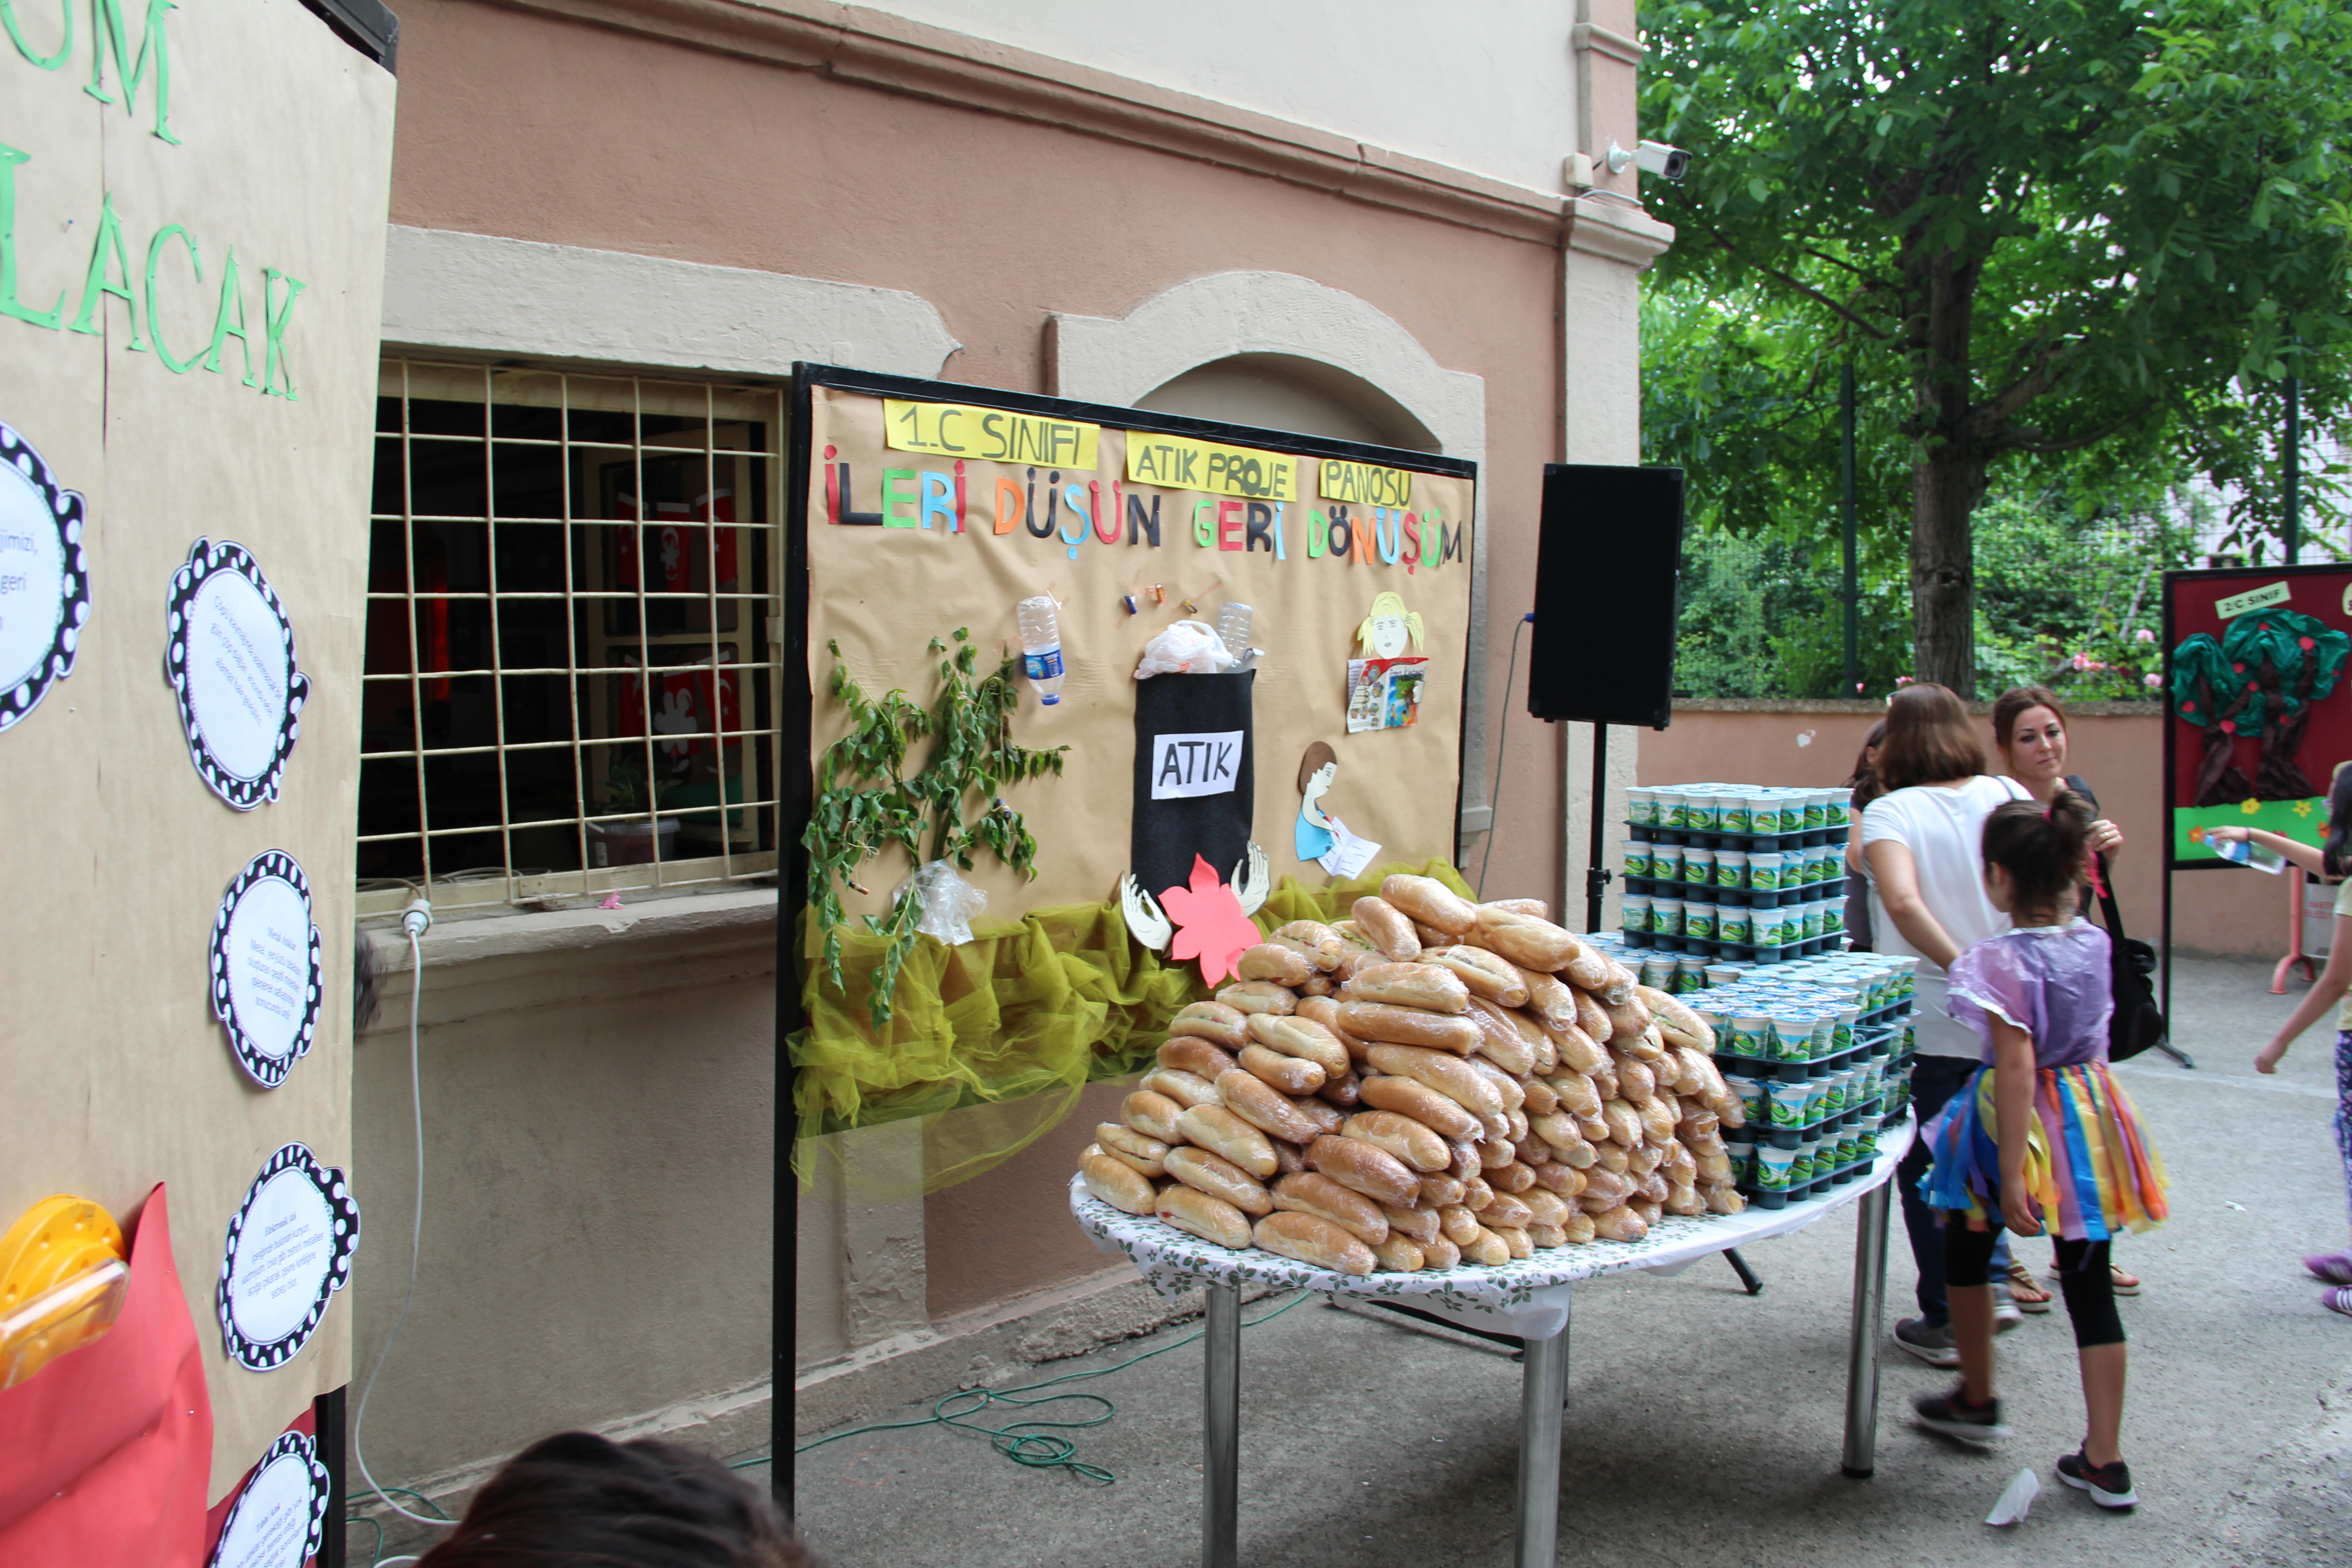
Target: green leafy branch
(864, 802)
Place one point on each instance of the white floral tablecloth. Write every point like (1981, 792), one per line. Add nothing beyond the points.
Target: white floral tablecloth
(1527, 1296)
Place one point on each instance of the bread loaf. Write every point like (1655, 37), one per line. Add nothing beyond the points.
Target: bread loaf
(1625, 1018)
(1153, 1115)
(1378, 1175)
(1593, 1019)
(1436, 1191)
(1309, 1193)
(1610, 1156)
(1506, 1087)
(1418, 1224)
(1283, 965)
(1198, 1054)
(1315, 1241)
(1397, 1256)
(1211, 1021)
(1430, 901)
(1604, 1083)
(1492, 1154)
(1546, 1236)
(1429, 986)
(1386, 927)
(1439, 1253)
(1288, 1074)
(1315, 937)
(1121, 1185)
(1483, 973)
(1289, 1159)
(1513, 1177)
(1499, 1040)
(1516, 1239)
(1605, 1189)
(1301, 1038)
(1486, 1249)
(1546, 1206)
(1259, 996)
(1504, 1210)
(1186, 1088)
(1684, 1199)
(1209, 1218)
(1265, 1108)
(1422, 1103)
(1636, 1084)
(1218, 1131)
(1131, 1148)
(1325, 1010)
(1346, 1091)
(1450, 1076)
(1625, 1121)
(1378, 1021)
(1525, 939)
(1578, 1229)
(1677, 1021)
(1650, 1213)
(1578, 1051)
(1577, 1095)
(1399, 1136)
(1657, 1119)
(1542, 1098)
(1549, 999)
(1327, 1117)
(1722, 1199)
(1458, 1225)
(1536, 907)
(1430, 936)
(1219, 1178)
(1316, 985)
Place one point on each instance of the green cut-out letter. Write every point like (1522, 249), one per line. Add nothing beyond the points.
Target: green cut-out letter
(172, 362)
(96, 285)
(273, 323)
(9, 304)
(16, 35)
(107, 32)
(232, 298)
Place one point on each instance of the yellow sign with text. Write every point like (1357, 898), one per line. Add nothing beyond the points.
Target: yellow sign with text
(989, 435)
(1366, 484)
(1174, 462)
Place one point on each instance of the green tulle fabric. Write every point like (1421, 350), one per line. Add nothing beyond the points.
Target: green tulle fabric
(1018, 1020)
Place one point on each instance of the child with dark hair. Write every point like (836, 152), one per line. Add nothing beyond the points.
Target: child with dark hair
(578, 1498)
(2042, 1137)
(2333, 862)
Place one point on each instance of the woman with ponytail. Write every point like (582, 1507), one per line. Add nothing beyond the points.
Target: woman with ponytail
(2333, 862)
(2043, 1139)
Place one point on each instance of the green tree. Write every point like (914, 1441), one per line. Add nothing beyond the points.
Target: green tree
(2064, 228)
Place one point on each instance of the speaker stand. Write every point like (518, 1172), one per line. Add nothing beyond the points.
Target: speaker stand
(1596, 873)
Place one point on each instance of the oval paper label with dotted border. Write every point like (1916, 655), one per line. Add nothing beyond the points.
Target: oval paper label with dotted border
(44, 578)
(280, 1519)
(267, 972)
(289, 1250)
(229, 656)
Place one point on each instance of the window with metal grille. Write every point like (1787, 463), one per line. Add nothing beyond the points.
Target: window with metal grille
(571, 634)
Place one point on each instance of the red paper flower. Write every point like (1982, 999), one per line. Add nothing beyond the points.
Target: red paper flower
(1210, 925)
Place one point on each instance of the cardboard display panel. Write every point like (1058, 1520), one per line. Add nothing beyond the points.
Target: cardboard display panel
(929, 507)
(192, 216)
(2258, 711)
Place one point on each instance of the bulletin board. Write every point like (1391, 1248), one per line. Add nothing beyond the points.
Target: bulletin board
(920, 508)
(2258, 711)
(187, 373)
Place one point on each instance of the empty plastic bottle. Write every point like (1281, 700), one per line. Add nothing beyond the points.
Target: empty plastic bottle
(1233, 619)
(1040, 646)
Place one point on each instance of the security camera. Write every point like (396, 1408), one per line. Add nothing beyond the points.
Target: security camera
(1652, 157)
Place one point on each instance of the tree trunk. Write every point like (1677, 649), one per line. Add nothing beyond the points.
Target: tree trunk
(1948, 474)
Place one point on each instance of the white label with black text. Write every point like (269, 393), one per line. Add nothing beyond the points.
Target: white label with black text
(1185, 767)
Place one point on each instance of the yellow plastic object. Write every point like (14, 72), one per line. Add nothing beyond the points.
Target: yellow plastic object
(62, 1280)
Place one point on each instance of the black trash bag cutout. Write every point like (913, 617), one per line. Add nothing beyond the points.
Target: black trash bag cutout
(1194, 796)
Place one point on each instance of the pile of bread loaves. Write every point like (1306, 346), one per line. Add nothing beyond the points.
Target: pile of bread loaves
(1432, 1081)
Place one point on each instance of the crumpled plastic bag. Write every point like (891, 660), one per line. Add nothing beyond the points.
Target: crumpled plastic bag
(1187, 647)
(949, 901)
(2015, 1500)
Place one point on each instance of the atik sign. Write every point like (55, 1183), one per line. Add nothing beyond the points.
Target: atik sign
(1186, 766)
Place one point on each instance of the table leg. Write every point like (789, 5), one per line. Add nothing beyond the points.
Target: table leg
(1220, 1420)
(1543, 1391)
(1861, 1456)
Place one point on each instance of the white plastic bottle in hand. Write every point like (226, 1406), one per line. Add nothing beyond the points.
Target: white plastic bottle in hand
(1041, 645)
(1233, 619)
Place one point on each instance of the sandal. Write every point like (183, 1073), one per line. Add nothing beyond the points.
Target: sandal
(2029, 1296)
(2125, 1284)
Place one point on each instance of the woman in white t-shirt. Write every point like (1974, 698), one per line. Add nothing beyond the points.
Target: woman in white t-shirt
(1920, 848)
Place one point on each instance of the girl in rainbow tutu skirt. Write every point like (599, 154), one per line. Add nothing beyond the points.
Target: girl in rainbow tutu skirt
(2043, 1139)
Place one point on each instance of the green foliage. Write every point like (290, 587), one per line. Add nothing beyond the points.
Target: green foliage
(2038, 228)
(864, 803)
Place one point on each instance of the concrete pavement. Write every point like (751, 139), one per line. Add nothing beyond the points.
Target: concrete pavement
(1704, 1424)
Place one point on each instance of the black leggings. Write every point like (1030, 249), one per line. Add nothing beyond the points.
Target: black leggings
(2082, 1278)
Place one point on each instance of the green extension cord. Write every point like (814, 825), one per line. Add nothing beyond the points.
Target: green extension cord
(1032, 1444)
(375, 1553)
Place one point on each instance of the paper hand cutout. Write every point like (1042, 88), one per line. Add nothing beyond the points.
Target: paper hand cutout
(1210, 924)
(1211, 919)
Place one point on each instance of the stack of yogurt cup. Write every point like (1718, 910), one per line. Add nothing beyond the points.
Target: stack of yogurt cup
(1734, 869)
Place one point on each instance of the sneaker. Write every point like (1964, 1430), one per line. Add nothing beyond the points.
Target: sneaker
(1931, 1342)
(2110, 1486)
(2337, 1301)
(1954, 1416)
(2335, 1267)
(2006, 1313)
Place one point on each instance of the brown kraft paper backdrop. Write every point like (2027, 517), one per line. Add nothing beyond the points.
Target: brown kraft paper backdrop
(117, 1075)
(883, 593)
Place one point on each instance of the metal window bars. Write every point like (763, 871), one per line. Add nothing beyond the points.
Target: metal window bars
(526, 498)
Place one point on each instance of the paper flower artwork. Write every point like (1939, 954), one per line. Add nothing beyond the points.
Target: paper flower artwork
(1210, 923)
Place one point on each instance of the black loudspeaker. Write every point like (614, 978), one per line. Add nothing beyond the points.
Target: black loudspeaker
(1608, 595)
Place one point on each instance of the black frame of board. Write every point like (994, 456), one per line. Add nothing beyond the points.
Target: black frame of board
(797, 700)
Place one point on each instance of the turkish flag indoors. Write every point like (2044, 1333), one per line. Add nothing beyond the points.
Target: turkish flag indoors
(105, 1452)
